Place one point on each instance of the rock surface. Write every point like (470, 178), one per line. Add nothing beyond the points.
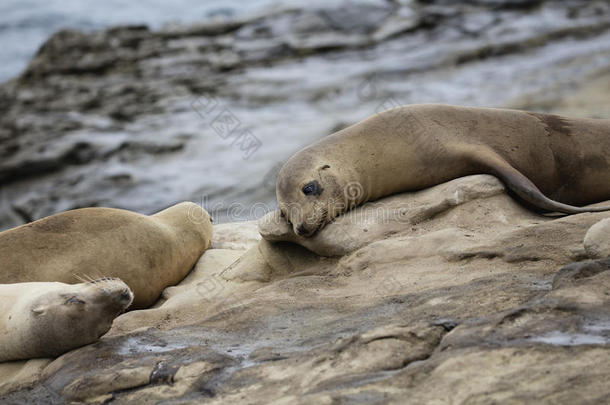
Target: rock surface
(482, 302)
(236, 235)
(597, 240)
(135, 119)
(379, 219)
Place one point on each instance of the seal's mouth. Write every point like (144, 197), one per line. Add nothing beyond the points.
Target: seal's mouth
(305, 233)
(115, 291)
(125, 298)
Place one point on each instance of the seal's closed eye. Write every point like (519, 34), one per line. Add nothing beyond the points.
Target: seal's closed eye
(312, 188)
(74, 300)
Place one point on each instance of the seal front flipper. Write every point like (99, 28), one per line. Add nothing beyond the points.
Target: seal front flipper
(518, 183)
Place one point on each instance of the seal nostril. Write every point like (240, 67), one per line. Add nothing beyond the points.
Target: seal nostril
(301, 230)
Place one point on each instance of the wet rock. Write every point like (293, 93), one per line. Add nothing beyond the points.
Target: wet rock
(20, 374)
(404, 20)
(63, 52)
(162, 366)
(574, 312)
(573, 273)
(491, 368)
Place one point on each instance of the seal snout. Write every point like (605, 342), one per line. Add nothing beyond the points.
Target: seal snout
(113, 292)
(301, 230)
(126, 295)
(125, 298)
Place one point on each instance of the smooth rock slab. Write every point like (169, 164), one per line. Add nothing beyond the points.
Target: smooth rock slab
(235, 235)
(478, 303)
(379, 219)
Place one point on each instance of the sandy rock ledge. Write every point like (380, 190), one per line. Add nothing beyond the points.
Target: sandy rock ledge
(470, 299)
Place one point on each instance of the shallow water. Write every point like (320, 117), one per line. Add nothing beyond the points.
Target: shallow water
(571, 339)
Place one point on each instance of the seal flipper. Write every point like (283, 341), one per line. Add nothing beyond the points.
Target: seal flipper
(518, 183)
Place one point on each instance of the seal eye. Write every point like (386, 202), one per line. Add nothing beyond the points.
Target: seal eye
(309, 189)
(312, 188)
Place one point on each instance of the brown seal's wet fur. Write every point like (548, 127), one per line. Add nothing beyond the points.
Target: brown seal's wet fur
(550, 162)
(149, 253)
(48, 319)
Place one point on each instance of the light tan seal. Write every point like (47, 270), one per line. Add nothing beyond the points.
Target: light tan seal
(149, 253)
(550, 162)
(47, 319)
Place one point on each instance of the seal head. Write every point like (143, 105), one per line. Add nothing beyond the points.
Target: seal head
(76, 315)
(309, 194)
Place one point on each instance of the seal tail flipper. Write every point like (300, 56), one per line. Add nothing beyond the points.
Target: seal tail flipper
(518, 183)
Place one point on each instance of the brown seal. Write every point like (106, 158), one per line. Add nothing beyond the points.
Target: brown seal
(149, 253)
(551, 163)
(47, 319)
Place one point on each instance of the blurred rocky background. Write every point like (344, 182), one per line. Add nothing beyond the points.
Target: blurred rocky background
(208, 107)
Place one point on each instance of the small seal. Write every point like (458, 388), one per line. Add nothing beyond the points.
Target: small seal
(149, 253)
(47, 319)
(550, 163)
